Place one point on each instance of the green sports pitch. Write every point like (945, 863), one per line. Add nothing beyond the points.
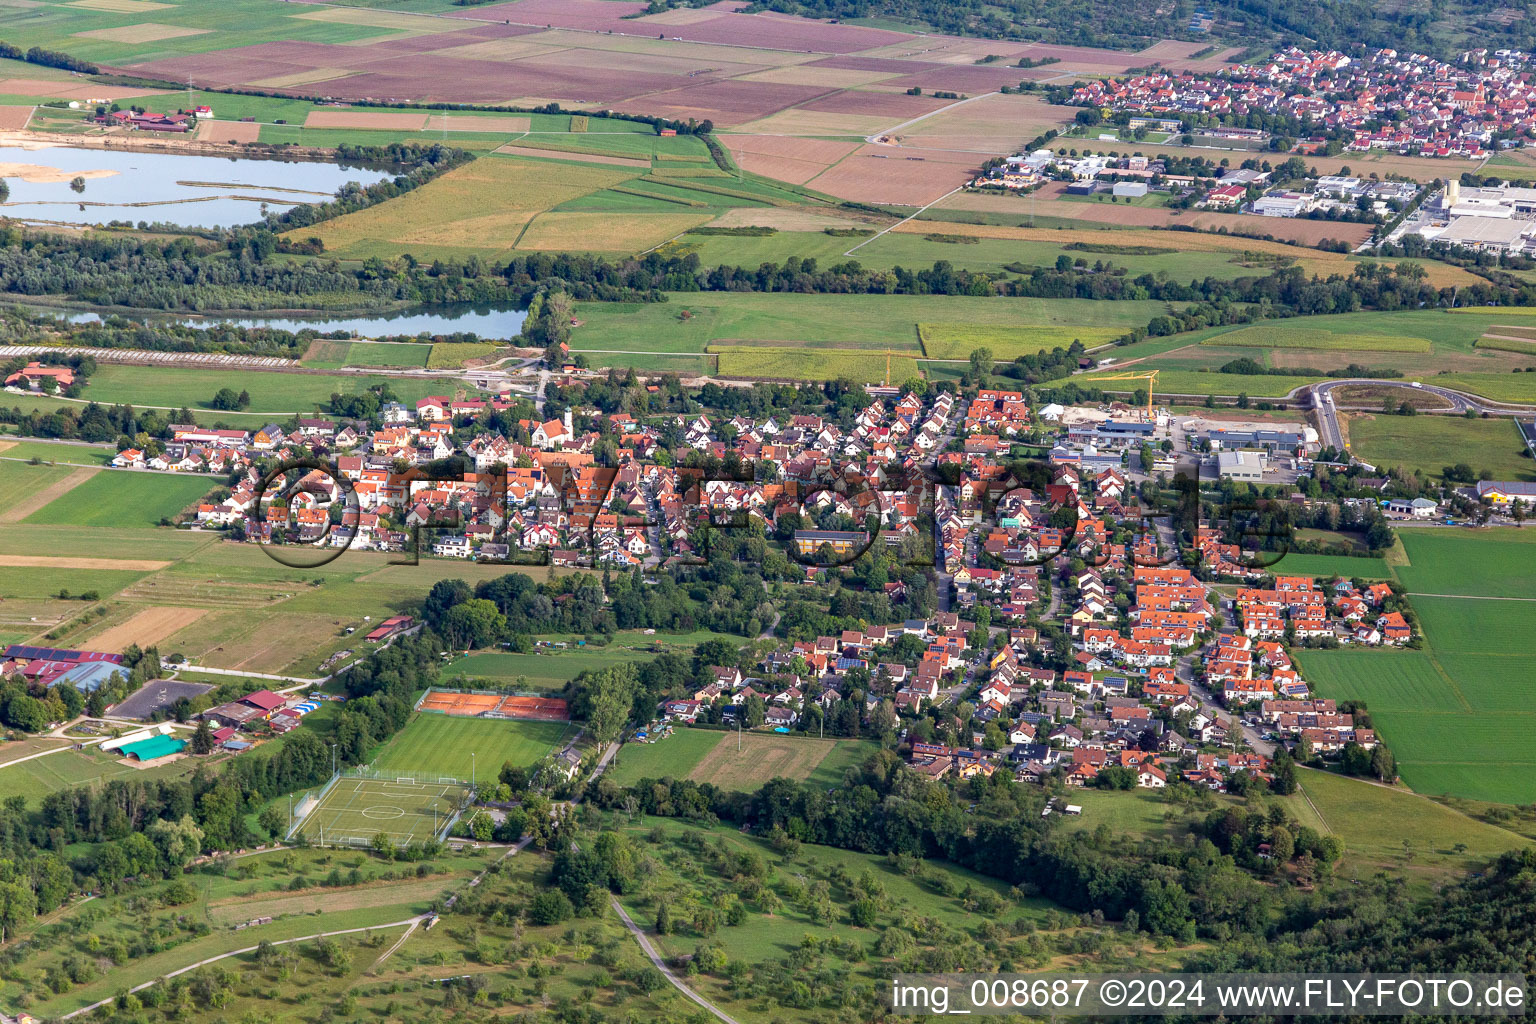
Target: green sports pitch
(355, 810)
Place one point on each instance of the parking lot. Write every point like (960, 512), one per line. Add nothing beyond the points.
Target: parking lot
(157, 695)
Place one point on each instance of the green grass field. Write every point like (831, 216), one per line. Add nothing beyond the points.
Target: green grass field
(999, 256)
(541, 671)
(1370, 819)
(958, 341)
(860, 321)
(1428, 444)
(812, 364)
(1423, 345)
(356, 809)
(332, 355)
(1283, 335)
(1484, 563)
(49, 451)
(1196, 382)
(122, 498)
(1517, 388)
(19, 481)
(272, 393)
(673, 757)
(1508, 345)
(444, 745)
(1460, 714)
(1333, 565)
(1385, 680)
(40, 776)
(847, 754)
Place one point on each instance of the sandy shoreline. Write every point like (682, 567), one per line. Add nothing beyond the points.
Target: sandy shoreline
(43, 174)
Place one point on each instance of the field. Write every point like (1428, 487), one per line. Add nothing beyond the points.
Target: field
(34, 779)
(450, 747)
(1273, 336)
(20, 483)
(1334, 565)
(763, 756)
(356, 809)
(1426, 345)
(58, 452)
(1488, 563)
(272, 393)
(814, 365)
(1051, 204)
(146, 627)
(260, 615)
(123, 498)
(674, 756)
(451, 212)
(958, 341)
(1369, 819)
(331, 355)
(1200, 382)
(1387, 681)
(1457, 714)
(552, 670)
(446, 354)
(1428, 444)
(698, 321)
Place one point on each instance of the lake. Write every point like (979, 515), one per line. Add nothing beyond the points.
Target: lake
(492, 323)
(193, 191)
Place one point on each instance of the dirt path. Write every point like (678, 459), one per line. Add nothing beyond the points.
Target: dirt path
(64, 562)
(666, 972)
(240, 952)
(391, 950)
(16, 513)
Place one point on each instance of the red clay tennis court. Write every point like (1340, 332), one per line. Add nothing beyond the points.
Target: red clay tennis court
(460, 703)
(490, 705)
(546, 709)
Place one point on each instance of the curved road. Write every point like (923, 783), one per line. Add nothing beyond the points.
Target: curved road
(666, 972)
(1330, 433)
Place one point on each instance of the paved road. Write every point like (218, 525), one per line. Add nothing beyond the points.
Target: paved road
(1184, 672)
(1332, 435)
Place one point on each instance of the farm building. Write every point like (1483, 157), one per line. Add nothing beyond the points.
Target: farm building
(233, 715)
(390, 626)
(34, 373)
(48, 665)
(264, 701)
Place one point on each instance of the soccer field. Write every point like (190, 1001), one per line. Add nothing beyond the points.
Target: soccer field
(356, 809)
(443, 745)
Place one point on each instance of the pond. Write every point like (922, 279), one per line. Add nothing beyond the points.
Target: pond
(488, 322)
(193, 191)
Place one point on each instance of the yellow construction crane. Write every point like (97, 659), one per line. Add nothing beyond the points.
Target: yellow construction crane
(1150, 376)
